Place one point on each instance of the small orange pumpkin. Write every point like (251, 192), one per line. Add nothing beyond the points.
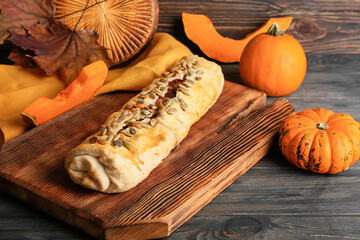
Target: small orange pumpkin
(273, 62)
(320, 140)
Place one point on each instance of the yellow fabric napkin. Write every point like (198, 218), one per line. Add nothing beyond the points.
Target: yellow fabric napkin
(163, 51)
(19, 87)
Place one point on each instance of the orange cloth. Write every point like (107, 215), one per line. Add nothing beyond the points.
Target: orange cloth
(19, 87)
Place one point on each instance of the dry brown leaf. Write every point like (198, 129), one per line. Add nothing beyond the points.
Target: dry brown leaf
(18, 13)
(21, 57)
(58, 48)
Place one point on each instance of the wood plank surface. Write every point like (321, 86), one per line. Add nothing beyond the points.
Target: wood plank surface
(243, 215)
(31, 166)
(322, 27)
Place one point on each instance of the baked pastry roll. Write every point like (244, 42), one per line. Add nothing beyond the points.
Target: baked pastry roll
(135, 139)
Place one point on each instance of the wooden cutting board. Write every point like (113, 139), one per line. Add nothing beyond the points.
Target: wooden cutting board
(220, 147)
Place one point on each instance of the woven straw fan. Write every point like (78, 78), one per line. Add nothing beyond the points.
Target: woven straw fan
(125, 27)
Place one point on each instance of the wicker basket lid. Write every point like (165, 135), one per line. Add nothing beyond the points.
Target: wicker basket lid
(125, 27)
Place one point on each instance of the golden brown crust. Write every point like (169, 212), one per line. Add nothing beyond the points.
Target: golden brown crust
(135, 139)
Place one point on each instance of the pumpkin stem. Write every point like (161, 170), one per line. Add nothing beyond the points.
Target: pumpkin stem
(275, 30)
(322, 126)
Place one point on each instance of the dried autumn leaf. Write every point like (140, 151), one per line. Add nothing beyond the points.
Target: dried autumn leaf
(58, 48)
(21, 57)
(18, 13)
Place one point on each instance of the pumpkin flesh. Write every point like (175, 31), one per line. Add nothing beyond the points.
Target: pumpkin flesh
(199, 29)
(80, 90)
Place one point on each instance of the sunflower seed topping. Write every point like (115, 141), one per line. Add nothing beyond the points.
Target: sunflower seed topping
(126, 133)
(146, 120)
(171, 111)
(171, 102)
(173, 74)
(195, 65)
(184, 91)
(125, 115)
(186, 84)
(103, 131)
(167, 103)
(182, 107)
(102, 141)
(110, 131)
(163, 80)
(165, 74)
(127, 145)
(189, 81)
(121, 119)
(152, 122)
(136, 125)
(115, 124)
(145, 112)
(141, 101)
(129, 106)
(117, 143)
(190, 72)
(159, 92)
(184, 63)
(152, 96)
(172, 69)
(132, 131)
(152, 103)
(183, 102)
(122, 136)
(136, 113)
(183, 86)
(145, 125)
(93, 140)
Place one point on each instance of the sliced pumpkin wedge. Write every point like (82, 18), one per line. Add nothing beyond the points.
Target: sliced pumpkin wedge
(82, 89)
(200, 30)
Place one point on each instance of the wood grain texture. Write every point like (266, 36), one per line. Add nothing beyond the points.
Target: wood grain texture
(31, 166)
(332, 82)
(289, 203)
(326, 27)
(337, 77)
(322, 27)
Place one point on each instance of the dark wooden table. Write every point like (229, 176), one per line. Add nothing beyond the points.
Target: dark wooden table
(274, 200)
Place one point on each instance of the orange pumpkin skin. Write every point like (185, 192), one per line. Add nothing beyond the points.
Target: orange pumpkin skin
(82, 89)
(320, 140)
(273, 64)
(199, 29)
